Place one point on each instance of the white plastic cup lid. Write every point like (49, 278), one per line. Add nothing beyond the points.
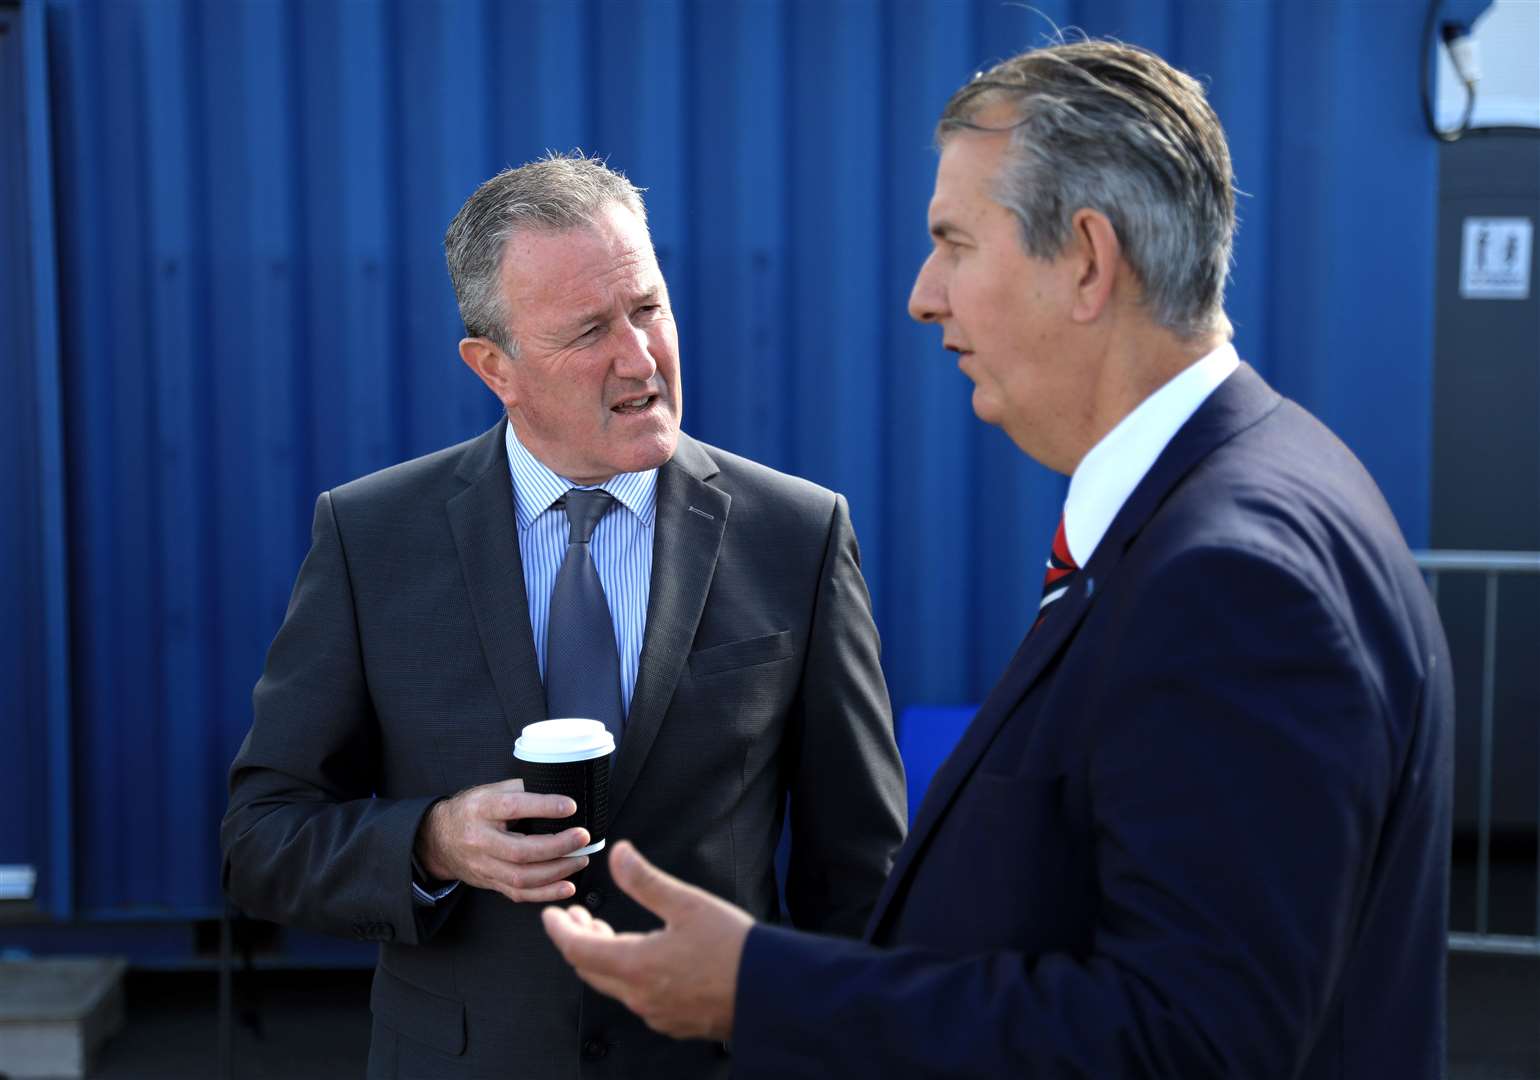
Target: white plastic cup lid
(564, 739)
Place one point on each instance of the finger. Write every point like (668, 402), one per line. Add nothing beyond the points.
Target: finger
(535, 847)
(592, 925)
(564, 924)
(592, 945)
(659, 892)
(517, 805)
(493, 790)
(553, 893)
(534, 875)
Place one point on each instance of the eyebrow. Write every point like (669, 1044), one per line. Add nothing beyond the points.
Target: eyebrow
(599, 314)
(946, 230)
(586, 319)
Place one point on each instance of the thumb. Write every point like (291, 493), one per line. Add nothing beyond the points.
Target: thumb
(660, 893)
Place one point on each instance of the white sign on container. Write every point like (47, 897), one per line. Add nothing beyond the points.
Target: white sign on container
(1495, 258)
(17, 882)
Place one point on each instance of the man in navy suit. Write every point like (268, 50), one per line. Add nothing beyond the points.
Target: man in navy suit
(1200, 826)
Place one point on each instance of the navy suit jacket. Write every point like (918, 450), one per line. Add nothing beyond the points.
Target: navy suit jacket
(1199, 828)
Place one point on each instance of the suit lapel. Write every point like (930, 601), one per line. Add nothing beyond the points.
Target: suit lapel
(691, 519)
(1032, 655)
(1238, 403)
(486, 536)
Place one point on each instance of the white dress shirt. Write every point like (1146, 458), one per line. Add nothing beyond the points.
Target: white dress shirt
(1108, 474)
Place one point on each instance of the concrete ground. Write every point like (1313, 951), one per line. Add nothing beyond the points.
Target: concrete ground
(290, 1025)
(314, 1025)
(1494, 1017)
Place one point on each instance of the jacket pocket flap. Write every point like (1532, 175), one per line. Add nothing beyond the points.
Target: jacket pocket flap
(737, 654)
(419, 1014)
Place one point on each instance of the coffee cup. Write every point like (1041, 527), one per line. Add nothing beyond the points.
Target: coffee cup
(567, 756)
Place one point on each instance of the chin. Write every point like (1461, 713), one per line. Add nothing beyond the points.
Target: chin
(655, 453)
(985, 409)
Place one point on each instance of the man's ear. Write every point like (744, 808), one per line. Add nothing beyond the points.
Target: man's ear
(1097, 256)
(492, 366)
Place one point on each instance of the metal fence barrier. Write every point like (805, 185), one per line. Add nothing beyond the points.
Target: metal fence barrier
(1494, 565)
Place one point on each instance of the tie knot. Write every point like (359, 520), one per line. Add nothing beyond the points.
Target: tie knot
(1061, 571)
(1059, 557)
(584, 509)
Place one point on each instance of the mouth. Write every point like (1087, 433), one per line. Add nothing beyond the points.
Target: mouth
(634, 405)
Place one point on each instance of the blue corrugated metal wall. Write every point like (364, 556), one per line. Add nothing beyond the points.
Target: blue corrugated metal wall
(36, 782)
(22, 800)
(250, 200)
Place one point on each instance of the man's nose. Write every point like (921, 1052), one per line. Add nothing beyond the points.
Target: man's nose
(635, 360)
(927, 300)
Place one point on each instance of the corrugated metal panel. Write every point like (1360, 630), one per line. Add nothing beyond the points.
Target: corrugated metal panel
(36, 807)
(20, 651)
(21, 698)
(251, 199)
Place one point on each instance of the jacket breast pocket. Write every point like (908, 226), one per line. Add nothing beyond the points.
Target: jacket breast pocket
(741, 654)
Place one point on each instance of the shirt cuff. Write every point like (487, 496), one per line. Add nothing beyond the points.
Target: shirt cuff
(427, 895)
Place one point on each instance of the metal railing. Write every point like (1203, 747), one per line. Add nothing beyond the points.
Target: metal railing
(1494, 565)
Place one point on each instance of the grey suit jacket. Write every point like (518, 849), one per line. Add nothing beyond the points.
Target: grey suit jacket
(404, 669)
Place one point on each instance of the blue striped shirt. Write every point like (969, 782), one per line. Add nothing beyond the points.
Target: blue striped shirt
(621, 547)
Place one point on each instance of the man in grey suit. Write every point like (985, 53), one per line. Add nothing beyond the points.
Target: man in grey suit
(372, 796)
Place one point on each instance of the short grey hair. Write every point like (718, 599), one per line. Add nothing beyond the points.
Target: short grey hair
(1114, 128)
(553, 193)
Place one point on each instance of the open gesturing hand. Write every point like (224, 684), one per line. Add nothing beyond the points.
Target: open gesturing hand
(681, 979)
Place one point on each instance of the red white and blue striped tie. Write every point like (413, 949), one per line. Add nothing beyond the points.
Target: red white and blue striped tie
(1059, 575)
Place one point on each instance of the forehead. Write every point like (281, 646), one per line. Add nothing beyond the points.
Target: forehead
(965, 176)
(553, 271)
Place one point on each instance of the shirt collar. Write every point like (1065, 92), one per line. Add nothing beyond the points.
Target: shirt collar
(1108, 474)
(536, 487)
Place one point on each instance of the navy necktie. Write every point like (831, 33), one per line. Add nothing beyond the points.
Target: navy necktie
(582, 665)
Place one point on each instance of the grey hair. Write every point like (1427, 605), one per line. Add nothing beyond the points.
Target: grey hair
(553, 193)
(1113, 128)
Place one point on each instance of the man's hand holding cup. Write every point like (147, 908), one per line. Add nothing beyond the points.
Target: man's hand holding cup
(509, 838)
